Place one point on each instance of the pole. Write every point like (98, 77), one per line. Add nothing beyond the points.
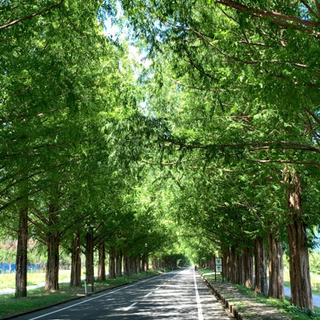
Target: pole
(92, 268)
(85, 288)
(146, 245)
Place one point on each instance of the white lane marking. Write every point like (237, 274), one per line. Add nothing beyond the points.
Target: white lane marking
(90, 299)
(131, 305)
(200, 315)
(150, 293)
(158, 288)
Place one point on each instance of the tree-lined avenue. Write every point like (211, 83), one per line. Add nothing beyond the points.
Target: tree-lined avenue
(174, 295)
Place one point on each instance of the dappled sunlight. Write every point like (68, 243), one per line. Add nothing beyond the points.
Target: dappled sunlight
(169, 296)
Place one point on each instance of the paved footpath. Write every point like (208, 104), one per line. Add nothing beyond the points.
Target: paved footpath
(178, 294)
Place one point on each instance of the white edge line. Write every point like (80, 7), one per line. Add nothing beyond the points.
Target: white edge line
(90, 299)
(200, 315)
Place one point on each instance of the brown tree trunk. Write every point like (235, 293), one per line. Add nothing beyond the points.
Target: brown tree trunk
(132, 265)
(147, 261)
(76, 262)
(52, 271)
(138, 264)
(240, 268)
(102, 262)
(260, 258)
(248, 267)
(53, 242)
(301, 294)
(112, 265)
(276, 286)
(233, 265)
(89, 258)
(119, 264)
(126, 270)
(22, 249)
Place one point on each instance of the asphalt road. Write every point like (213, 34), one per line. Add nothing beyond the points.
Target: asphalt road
(175, 295)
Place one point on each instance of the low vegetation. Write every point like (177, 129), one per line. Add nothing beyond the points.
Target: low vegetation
(284, 306)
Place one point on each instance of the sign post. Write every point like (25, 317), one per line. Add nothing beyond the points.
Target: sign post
(218, 267)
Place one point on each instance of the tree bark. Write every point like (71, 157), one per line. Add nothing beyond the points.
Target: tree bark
(138, 264)
(276, 286)
(126, 270)
(22, 249)
(301, 294)
(52, 272)
(89, 257)
(112, 265)
(239, 269)
(76, 262)
(102, 262)
(260, 257)
(53, 242)
(119, 264)
(248, 267)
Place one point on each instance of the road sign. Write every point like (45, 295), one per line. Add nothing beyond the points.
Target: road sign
(218, 261)
(218, 268)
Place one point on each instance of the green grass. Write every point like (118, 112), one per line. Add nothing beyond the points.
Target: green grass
(8, 280)
(296, 313)
(9, 305)
(284, 306)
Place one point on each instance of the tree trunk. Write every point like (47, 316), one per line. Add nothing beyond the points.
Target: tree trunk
(260, 257)
(233, 265)
(53, 242)
(119, 264)
(132, 265)
(248, 267)
(301, 294)
(89, 258)
(52, 272)
(138, 264)
(240, 269)
(22, 249)
(112, 265)
(102, 262)
(76, 262)
(126, 270)
(276, 286)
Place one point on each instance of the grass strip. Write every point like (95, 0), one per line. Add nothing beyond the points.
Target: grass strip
(283, 306)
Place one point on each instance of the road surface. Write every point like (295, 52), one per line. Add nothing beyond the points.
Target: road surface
(175, 295)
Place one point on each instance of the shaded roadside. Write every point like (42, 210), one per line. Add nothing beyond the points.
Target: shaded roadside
(244, 304)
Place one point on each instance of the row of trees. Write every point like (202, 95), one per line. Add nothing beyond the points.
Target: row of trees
(70, 138)
(238, 101)
(219, 135)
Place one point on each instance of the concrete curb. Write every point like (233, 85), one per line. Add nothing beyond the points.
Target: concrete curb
(230, 308)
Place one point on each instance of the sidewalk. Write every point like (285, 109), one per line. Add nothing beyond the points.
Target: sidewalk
(243, 307)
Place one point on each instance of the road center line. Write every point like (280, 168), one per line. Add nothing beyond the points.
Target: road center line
(200, 315)
(131, 305)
